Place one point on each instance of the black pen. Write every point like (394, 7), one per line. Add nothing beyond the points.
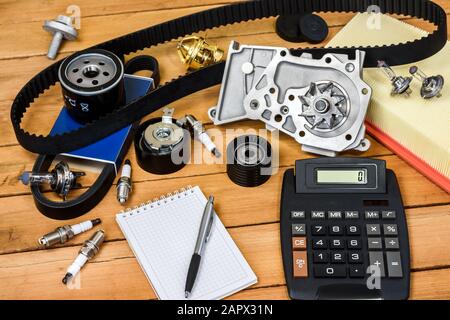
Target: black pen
(202, 238)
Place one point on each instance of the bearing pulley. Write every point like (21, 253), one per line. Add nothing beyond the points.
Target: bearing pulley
(249, 161)
(161, 145)
(92, 84)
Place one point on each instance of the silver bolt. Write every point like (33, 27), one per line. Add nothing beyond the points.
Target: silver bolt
(350, 67)
(284, 110)
(61, 28)
(254, 104)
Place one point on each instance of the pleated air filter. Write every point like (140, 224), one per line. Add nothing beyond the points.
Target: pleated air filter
(417, 130)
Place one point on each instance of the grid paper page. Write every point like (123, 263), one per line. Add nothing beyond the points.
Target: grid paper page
(163, 235)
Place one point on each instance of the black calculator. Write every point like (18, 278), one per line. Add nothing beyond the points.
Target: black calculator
(343, 231)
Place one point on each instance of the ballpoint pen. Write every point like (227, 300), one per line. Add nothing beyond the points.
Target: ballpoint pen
(202, 238)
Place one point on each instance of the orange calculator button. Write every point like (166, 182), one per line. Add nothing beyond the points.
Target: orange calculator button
(299, 243)
(300, 259)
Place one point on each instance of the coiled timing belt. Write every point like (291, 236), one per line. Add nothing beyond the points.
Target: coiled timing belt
(238, 12)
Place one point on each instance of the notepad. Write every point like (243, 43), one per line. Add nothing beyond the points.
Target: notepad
(162, 235)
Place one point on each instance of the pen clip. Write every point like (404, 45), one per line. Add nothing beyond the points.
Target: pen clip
(210, 223)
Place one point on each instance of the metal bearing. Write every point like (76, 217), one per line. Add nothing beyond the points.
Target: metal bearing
(249, 161)
(92, 84)
(162, 147)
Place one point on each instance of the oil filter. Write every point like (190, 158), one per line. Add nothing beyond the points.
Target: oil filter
(92, 84)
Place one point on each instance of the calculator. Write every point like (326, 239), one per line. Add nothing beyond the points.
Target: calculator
(343, 231)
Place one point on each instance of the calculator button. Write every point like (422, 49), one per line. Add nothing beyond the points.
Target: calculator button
(394, 264)
(353, 230)
(354, 244)
(336, 231)
(356, 271)
(298, 229)
(338, 257)
(355, 257)
(389, 214)
(330, 271)
(298, 214)
(320, 257)
(374, 243)
(299, 243)
(334, 214)
(391, 243)
(318, 230)
(351, 214)
(390, 229)
(337, 244)
(371, 215)
(373, 229)
(376, 260)
(300, 260)
(317, 214)
(319, 243)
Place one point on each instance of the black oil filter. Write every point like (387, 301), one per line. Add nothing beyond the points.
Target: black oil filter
(92, 84)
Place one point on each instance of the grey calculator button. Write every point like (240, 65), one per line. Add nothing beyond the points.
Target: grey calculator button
(391, 243)
(390, 229)
(334, 214)
(298, 214)
(389, 214)
(298, 229)
(317, 214)
(372, 215)
(351, 215)
(394, 264)
(373, 229)
(375, 243)
(376, 260)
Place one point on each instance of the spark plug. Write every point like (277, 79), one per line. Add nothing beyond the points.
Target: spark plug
(89, 249)
(199, 132)
(124, 185)
(65, 233)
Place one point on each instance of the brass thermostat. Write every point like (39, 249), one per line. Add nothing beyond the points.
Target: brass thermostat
(196, 53)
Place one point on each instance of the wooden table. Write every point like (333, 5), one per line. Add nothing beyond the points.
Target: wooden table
(251, 216)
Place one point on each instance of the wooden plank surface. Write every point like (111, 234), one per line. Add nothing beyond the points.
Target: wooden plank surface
(28, 273)
(258, 243)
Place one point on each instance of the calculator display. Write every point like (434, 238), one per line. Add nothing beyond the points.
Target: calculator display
(353, 176)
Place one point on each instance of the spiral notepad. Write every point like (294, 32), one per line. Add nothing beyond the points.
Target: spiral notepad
(162, 234)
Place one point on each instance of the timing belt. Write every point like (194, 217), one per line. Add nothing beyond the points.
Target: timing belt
(404, 53)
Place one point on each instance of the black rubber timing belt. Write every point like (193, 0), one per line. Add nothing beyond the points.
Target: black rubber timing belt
(407, 52)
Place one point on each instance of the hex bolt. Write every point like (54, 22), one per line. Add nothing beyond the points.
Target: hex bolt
(431, 86)
(61, 28)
